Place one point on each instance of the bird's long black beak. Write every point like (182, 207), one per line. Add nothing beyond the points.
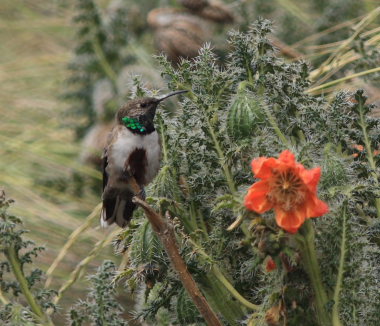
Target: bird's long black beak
(164, 97)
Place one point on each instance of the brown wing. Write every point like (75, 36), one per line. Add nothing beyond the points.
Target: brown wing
(117, 206)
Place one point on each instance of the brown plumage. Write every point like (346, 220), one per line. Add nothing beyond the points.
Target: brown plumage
(131, 158)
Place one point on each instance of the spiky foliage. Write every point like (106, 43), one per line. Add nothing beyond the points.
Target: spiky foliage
(16, 279)
(100, 307)
(208, 151)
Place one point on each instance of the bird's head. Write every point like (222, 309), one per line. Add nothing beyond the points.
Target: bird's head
(138, 114)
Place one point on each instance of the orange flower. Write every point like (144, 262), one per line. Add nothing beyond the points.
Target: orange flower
(360, 148)
(287, 187)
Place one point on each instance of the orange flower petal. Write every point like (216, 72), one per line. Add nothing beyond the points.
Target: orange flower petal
(287, 157)
(290, 221)
(294, 206)
(315, 207)
(262, 167)
(360, 148)
(311, 178)
(256, 199)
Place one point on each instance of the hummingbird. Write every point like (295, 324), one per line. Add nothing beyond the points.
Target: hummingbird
(131, 156)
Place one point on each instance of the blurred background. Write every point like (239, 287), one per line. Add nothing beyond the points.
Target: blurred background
(66, 66)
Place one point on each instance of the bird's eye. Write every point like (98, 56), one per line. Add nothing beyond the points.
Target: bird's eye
(143, 105)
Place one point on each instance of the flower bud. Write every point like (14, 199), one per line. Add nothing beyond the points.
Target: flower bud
(245, 115)
(270, 265)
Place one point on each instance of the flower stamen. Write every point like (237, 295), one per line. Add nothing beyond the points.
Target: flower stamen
(287, 190)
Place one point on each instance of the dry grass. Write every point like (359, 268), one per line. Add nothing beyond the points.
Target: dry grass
(36, 40)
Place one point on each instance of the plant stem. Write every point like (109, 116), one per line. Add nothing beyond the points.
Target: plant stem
(309, 258)
(338, 286)
(269, 115)
(219, 275)
(219, 298)
(276, 128)
(236, 223)
(222, 159)
(14, 261)
(368, 147)
(166, 234)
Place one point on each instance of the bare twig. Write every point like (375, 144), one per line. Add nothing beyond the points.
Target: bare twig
(166, 234)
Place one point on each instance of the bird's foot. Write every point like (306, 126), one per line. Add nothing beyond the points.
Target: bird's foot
(141, 194)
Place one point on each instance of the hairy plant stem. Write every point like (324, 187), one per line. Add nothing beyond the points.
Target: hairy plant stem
(222, 159)
(14, 261)
(276, 128)
(338, 286)
(306, 241)
(271, 118)
(219, 298)
(219, 275)
(369, 149)
(218, 148)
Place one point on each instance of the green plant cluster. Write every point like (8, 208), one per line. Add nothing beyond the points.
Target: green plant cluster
(206, 172)
(100, 307)
(17, 280)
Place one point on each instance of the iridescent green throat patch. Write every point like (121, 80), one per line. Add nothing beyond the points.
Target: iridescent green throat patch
(133, 124)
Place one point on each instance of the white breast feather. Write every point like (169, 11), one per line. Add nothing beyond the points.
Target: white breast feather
(127, 142)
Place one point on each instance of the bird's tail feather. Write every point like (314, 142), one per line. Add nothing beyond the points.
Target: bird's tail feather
(117, 210)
